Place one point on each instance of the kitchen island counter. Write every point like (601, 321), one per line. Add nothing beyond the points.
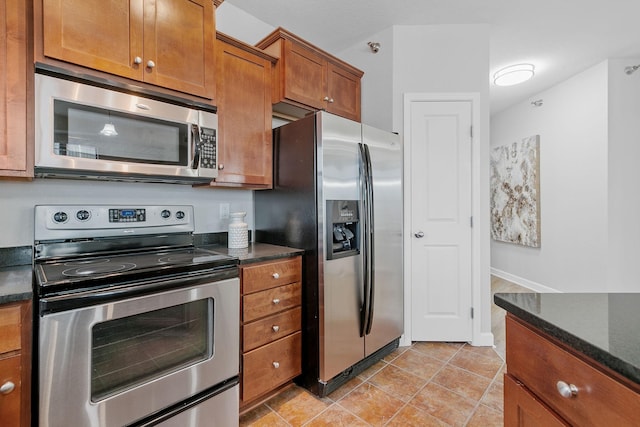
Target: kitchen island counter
(602, 326)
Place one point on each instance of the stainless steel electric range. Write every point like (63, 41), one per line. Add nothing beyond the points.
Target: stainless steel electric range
(135, 325)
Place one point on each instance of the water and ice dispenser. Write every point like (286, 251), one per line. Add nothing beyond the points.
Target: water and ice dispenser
(343, 228)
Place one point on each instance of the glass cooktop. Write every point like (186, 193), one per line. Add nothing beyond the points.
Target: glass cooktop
(123, 267)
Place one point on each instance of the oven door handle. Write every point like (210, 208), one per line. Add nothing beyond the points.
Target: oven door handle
(65, 302)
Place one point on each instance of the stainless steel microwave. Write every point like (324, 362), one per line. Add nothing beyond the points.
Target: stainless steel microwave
(91, 132)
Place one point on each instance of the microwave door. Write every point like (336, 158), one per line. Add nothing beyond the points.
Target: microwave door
(85, 131)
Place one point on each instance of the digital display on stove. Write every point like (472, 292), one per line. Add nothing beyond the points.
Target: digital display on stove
(127, 215)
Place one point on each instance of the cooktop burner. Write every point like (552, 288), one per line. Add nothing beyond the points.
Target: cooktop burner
(100, 267)
(121, 267)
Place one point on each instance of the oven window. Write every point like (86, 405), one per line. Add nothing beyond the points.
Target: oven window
(97, 133)
(130, 351)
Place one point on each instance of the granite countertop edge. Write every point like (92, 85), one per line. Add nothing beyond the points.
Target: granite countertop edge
(256, 252)
(605, 358)
(16, 284)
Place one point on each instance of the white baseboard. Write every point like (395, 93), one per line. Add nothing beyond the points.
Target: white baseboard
(536, 287)
(484, 340)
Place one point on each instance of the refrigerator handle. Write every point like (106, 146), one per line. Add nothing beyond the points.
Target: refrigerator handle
(370, 238)
(364, 190)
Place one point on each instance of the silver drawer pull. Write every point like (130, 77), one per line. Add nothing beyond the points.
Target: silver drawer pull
(275, 328)
(276, 365)
(275, 275)
(276, 301)
(566, 390)
(7, 387)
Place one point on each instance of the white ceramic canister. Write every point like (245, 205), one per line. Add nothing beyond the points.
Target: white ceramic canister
(238, 231)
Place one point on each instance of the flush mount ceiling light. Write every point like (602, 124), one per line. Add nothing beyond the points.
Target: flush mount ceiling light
(513, 74)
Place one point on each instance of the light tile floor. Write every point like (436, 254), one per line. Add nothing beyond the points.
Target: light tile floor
(426, 384)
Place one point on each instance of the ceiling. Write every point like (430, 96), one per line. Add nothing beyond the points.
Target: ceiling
(560, 37)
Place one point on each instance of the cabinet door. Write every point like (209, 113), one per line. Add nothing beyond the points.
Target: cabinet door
(244, 117)
(343, 89)
(103, 35)
(179, 38)
(13, 89)
(521, 408)
(10, 409)
(304, 75)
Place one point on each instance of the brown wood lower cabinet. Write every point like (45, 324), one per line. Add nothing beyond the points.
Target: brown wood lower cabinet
(271, 337)
(15, 364)
(538, 367)
(270, 366)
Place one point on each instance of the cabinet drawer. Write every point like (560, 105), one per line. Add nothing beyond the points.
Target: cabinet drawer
(540, 364)
(521, 408)
(269, 275)
(271, 301)
(10, 329)
(270, 329)
(272, 365)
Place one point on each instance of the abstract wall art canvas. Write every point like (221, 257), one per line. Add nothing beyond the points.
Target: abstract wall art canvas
(515, 192)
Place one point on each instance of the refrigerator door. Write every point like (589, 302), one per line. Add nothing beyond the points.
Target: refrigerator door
(340, 279)
(385, 152)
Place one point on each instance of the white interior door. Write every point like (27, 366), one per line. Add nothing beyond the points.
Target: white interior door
(441, 221)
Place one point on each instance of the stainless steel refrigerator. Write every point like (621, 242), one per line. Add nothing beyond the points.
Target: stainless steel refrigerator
(338, 195)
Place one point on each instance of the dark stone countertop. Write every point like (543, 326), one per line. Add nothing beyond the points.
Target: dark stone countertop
(15, 284)
(604, 327)
(256, 252)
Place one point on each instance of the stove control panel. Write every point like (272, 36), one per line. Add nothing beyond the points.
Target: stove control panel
(72, 221)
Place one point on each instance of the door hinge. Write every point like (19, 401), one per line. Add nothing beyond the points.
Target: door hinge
(472, 312)
(471, 221)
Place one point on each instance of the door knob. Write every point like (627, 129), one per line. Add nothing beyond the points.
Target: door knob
(419, 234)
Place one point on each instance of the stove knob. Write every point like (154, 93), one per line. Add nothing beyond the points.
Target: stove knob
(179, 214)
(165, 214)
(83, 215)
(60, 217)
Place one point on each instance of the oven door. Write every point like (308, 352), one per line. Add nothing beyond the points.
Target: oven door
(117, 362)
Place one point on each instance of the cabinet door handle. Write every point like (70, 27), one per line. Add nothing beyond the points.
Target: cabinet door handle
(220, 166)
(151, 64)
(330, 100)
(276, 365)
(137, 60)
(326, 98)
(7, 387)
(566, 390)
(275, 328)
(276, 301)
(275, 275)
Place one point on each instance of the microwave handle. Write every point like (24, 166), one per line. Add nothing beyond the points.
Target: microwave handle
(195, 146)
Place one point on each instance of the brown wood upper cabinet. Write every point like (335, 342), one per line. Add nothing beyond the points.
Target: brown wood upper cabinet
(16, 155)
(243, 88)
(167, 43)
(307, 78)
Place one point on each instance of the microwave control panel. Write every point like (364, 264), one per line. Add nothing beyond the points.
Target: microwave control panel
(208, 148)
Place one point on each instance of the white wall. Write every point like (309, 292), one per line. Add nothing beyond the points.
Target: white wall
(572, 124)
(624, 177)
(18, 199)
